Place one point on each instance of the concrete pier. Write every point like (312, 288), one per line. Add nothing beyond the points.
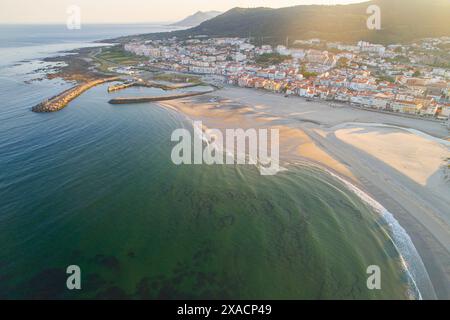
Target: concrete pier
(130, 100)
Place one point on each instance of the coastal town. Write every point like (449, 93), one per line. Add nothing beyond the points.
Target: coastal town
(411, 80)
(257, 150)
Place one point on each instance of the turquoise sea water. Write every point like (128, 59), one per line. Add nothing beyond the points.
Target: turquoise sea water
(93, 185)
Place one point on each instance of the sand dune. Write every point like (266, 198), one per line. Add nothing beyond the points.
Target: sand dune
(414, 156)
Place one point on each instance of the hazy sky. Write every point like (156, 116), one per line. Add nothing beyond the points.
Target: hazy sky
(129, 11)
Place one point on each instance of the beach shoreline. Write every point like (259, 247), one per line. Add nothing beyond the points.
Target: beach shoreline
(308, 132)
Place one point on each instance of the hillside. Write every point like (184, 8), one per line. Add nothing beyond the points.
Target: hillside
(197, 18)
(402, 21)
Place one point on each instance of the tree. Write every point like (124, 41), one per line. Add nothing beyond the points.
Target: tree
(342, 62)
(269, 59)
(306, 74)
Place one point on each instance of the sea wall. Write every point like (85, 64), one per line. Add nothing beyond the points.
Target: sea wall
(129, 100)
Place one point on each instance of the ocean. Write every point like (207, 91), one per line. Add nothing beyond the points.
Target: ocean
(94, 185)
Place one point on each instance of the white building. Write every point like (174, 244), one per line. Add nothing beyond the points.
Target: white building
(239, 57)
(373, 48)
(283, 50)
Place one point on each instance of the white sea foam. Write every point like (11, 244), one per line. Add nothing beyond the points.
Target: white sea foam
(418, 278)
(202, 132)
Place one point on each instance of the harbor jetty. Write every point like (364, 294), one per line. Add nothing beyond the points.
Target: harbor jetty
(61, 100)
(130, 100)
(151, 84)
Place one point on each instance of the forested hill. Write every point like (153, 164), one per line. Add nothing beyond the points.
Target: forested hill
(401, 21)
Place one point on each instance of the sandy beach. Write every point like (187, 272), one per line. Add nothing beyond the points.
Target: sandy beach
(405, 170)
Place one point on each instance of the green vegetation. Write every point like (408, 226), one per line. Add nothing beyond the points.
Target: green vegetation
(440, 59)
(117, 55)
(177, 78)
(307, 74)
(399, 59)
(385, 78)
(270, 59)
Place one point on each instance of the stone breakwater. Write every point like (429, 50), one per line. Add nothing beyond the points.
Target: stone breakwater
(129, 100)
(61, 100)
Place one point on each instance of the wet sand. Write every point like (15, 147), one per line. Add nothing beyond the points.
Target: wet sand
(407, 173)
